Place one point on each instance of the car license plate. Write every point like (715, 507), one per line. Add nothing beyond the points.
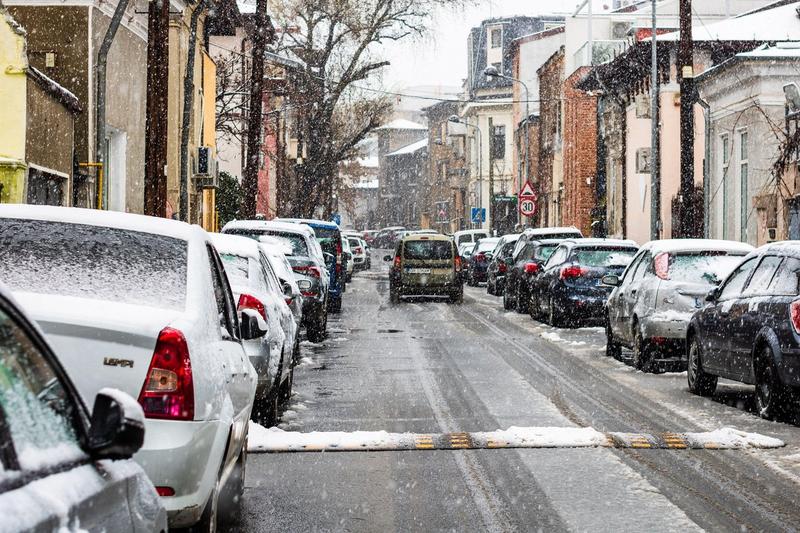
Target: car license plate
(419, 271)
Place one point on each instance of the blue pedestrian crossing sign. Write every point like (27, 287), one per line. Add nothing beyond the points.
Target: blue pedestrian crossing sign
(478, 215)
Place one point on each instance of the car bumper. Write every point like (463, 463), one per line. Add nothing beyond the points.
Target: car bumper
(185, 456)
(410, 290)
(665, 329)
(582, 309)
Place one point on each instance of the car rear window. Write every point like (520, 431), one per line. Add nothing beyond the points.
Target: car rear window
(557, 236)
(787, 278)
(486, 246)
(354, 243)
(418, 250)
(604, 257)
(93, 262)
(297, 242)
(709, 268)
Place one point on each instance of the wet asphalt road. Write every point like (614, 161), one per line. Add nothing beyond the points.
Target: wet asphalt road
(428, 366)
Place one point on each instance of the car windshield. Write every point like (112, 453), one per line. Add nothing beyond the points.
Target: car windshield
(421, 250)
(486, 245)
(297, 242)
(709, 268)
(93, 262)
(604, 257)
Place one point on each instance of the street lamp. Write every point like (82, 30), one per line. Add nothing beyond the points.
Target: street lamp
(458, 120)
(492, 72)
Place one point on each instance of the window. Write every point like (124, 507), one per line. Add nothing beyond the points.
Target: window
(763, 275)
(725, 150)
(93, 262)
(709, 268)
(422, 250)
(544, 252)
(733, 287)
(743, 177)
(558, 257)
(496, 37)
(785, 281)
(498, 142)
(643, 267)
(295, 240)
(41, 416)
(225, 308)
(604, 257)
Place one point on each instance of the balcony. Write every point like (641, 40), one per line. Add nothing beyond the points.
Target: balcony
(603, 51)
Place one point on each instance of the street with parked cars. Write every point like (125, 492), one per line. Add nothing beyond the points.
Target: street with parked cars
(219, 365)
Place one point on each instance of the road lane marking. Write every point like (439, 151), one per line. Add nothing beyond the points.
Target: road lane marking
(274, 440)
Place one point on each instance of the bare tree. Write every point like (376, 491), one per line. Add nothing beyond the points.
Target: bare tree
(337, 42)
(231, 101)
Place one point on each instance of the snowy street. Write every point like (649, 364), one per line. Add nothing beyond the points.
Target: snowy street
(428, 367)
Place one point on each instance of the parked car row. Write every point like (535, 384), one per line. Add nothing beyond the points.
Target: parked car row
(203, 330)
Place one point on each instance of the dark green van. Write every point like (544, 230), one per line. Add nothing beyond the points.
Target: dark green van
(425, 265)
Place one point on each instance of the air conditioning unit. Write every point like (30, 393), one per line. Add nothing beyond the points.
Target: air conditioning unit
(206, 174)
(619, 30)
(642, 106)
(772, 234)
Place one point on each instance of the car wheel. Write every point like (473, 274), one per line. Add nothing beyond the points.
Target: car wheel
(489, 288)
(336, 305)
(700, 382)
(508, 304)
(230, 500)
(642, 353)
(613, 349)
(296, 349)
(285, 393)
(522, 301)
(771, 394)
(316, 329)
(533, 306)
(554, 316)
(457, 296)
(394, 294)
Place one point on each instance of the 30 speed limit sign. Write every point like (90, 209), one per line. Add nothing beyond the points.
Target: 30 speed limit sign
(527, 200)
(527, 207)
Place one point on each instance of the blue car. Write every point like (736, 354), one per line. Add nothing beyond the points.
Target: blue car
(330, 240)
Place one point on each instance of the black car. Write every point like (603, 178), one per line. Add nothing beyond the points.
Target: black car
(479, 260)
(569, 291)
(529, 256)
(498, 265)
(749, 331)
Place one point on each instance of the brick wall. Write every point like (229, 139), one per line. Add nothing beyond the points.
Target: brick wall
(551, 77)
(580, 153)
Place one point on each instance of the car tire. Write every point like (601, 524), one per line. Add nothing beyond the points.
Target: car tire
(285, 392)
(772, 396)
(700, 382)
(554, 316)
(522, 301)
(613, 349)
(348, 278)
(315, 331)
(642, 353)
(489, 288)
(533, 306)
(296, 350)
(336, 305)
(394, 294)
(230, 500)
(508, 305)
(457, 296)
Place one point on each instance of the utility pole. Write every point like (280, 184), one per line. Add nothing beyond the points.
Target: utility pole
(686, 79)
(490, 207)
(655, 158)
(254, 125)
(155, 151)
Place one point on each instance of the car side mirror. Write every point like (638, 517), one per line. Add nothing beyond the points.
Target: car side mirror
(252, 325)
(610, 280)
(287, 291)
(387, 258)
(712, 295)
(329, 258)
(117, 426)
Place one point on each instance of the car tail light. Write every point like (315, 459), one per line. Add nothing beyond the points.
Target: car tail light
(480, 257)
(168, 390)
(458, 262)
(533, 268)
(573, 271)
(794, 311)
(289, 301)
(308, 293)
(501, 267)
(661, 263)
(165, 491)
(359, 250)
(247, 301)
(308, 270)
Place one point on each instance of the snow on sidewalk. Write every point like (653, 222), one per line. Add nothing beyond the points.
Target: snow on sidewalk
(274, 440)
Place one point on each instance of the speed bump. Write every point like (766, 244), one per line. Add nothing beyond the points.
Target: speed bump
(274, 440)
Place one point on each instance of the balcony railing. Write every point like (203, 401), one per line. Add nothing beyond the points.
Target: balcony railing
(602, 52)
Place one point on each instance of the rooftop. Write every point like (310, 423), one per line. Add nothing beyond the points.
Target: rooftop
(411, 148)
(402, 124)
(780, 23)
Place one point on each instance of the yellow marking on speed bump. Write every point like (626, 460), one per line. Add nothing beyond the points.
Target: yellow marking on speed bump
(423, 442)
(674, 441)
(459, 440)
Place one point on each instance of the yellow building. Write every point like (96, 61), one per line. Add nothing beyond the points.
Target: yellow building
(13, 94)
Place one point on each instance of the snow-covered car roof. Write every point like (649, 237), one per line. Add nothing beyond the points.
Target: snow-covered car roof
(310, 222)
(697, 245)
(511, 237)
(548, 231)
(235, 245)
(785, 247)
(275, 245)
(289, 227)
(603, 242)
(107, 219)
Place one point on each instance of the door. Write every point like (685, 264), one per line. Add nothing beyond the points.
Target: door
(721, 324)
(283, 314)
(40, 434)
(629, 297)
(749, 310)
(614, 305)
(229, 351)
(550, 272)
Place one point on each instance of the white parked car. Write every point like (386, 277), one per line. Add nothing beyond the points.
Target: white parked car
(51, 446)
(255, 286)
(654, 299)
(350, 264)
(469, 235)
(276, 251)
(142, 304)
(359, 251)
